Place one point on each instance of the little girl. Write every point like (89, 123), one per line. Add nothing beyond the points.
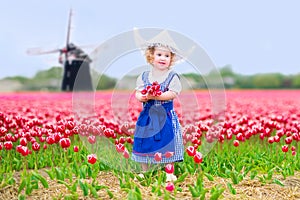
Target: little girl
(158, 131)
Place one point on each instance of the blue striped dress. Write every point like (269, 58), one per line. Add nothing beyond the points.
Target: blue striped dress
(158, 129)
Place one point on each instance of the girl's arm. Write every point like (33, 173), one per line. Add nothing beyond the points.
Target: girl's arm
(139, 96)
(165, 96)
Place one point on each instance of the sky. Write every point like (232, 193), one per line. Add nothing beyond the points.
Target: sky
(250, 36)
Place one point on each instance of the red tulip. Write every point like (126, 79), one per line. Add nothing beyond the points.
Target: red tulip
(65, 142)
(240, 137)
(25, 151)
(236, 143)
(126, 154)
(271, 140)
(76, 148)
(191, 150)
(8, 145)
(129, 140)
(288, 140)
(169, 168)
(198, 158)
(92, 139)
(36, 146)
(50, 139)
(144, 91)
(170, 186)
(120, 148)
(42, 139)
(70, 125)
(169, 154)
(122, 140)
(293, 148)
(92, 158)
(23, 141)
(153, 89)
(8, 137)
(157, 156)
(22, 150)
(285, 148)
(276, 138)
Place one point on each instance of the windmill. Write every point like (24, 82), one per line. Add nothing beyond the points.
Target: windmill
(76, 63)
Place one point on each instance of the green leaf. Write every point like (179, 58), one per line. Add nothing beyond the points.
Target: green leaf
(134, 194)
(110, 194)
(159, 192)
(41, 179)
(203, 193)
(153, 188)
(278, 182)
(253, 174)
(50, 174)
(199, 183)
(22, 185)
(234, 178)
(84, 188)
(137, 189)
(131, 175)
(11, 181)
(262, 179)
(228, 173)
(190, 168)
(181, 178)
(89, 171)
(82, 171)
(21, 197)
(64, 183)
(59, 174)
(231, 189)
(99, 187)
(28, 189)
(73, 188)
(35, 184)
(209, 177)
(139, 178)
(270, 174)
(216, 192)
(194, 191)
(93, 191)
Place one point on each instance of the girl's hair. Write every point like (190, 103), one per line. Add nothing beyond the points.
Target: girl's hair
(149, 54)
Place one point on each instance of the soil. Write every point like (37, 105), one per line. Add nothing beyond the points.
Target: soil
(246, 189)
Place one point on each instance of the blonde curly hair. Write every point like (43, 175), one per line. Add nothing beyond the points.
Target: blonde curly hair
(149, 54)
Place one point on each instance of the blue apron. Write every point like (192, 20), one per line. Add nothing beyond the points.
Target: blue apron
(154, 129)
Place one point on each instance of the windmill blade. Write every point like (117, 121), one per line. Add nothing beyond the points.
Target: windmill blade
(68, 33)
(69, 28)
(40, 51)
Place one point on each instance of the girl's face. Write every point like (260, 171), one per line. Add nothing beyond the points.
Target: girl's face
(162, 58)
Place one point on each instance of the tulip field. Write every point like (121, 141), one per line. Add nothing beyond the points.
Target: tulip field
(50, 150)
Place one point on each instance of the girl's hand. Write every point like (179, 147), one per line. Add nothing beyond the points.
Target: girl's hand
(141, 97)
(151, 97)
(144, 98)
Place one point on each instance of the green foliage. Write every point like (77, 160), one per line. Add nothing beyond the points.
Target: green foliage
(267, 81)
(295, 81)
(50, 80)
(106, 82)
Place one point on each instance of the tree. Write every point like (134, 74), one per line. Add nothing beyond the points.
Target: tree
(295, 81)
(268, 81)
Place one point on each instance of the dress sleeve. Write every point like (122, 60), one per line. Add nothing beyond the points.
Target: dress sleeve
(175, 85)
(139, 83)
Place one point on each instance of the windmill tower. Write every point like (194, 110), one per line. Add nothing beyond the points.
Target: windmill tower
(76, 63)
